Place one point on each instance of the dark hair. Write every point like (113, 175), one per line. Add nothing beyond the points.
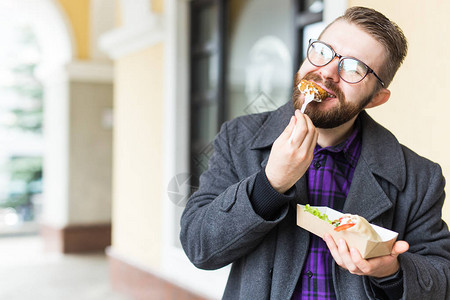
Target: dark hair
(384, 31)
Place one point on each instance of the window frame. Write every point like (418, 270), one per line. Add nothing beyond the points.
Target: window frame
(199, 150)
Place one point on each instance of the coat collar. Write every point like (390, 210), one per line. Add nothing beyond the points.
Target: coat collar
(273, 127)
(381, 156)
(382, 152)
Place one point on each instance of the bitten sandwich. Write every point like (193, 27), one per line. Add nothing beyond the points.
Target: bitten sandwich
(348, 222)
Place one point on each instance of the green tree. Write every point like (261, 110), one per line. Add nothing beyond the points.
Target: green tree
(29, 113)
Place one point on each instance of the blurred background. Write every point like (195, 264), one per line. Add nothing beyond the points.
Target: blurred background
(107, 113)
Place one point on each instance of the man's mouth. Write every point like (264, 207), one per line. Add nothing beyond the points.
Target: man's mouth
(330, 95)
(312, 91)
(315, 90)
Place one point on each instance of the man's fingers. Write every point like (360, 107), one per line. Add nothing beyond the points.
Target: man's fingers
(313, 134)
(399, 248)
(333, 248)
(301, 129)
(346, 258)
(362, 264)
(355, 264)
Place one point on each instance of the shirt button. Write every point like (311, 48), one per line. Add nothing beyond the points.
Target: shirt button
(309, 274)
(317, 164)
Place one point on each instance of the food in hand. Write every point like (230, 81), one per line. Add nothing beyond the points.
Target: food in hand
(314, 211)
(348, 222)
(355, 223)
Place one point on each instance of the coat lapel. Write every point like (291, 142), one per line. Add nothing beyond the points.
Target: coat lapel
(366, 198)
(290, 255)
(272, 128)
(382, 156)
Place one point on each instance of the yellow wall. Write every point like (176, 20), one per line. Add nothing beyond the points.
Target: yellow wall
(418, 111)
(137, 184)
(78, 12)
(157, 6)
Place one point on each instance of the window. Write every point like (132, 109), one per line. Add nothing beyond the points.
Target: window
(259, 67)
(308, 24)
(240, 64)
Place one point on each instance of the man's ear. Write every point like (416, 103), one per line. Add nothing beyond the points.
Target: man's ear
(381, 97)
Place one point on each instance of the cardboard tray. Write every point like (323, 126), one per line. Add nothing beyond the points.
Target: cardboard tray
(367, 248)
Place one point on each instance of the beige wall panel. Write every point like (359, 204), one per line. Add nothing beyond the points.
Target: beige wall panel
(137, 210)
(418, 111)
(90, 154)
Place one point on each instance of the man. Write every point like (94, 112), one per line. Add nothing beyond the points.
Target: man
(337, 156)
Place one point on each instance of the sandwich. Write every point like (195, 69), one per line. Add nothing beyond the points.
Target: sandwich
(348, 222)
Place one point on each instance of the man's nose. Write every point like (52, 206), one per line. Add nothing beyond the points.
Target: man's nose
(330, 71)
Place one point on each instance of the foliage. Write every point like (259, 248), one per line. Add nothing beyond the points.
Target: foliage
(26, 180)
(21, 114)
(28, 113)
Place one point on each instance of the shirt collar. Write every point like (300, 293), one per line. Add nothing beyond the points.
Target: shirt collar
(351, 147)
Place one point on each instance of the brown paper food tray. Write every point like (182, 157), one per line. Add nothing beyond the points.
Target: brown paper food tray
(319, 227)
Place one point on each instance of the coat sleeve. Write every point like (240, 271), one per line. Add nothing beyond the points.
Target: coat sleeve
(426, 265)
(219, 224)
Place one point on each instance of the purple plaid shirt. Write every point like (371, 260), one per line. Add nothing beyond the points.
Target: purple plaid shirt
(329, 177)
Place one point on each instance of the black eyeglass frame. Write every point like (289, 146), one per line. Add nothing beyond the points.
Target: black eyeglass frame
(369, 70)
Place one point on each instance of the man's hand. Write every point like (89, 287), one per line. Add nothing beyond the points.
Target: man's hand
(351, 260)
(291, 156)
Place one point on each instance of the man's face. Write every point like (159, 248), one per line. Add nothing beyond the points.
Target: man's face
(347, 40)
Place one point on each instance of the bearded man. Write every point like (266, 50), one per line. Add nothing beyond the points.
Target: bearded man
(334, 155)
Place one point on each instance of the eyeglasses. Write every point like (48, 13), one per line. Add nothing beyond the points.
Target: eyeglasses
(350, 69)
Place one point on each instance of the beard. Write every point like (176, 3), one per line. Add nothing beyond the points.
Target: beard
(331, 118)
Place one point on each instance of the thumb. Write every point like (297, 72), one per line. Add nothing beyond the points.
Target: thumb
(399, 248)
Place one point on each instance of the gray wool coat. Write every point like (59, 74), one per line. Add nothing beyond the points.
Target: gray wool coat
(392, 187)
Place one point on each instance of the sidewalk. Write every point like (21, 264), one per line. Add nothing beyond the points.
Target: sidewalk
(28, 273)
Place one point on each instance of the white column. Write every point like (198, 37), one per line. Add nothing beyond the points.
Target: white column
(141, 29)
